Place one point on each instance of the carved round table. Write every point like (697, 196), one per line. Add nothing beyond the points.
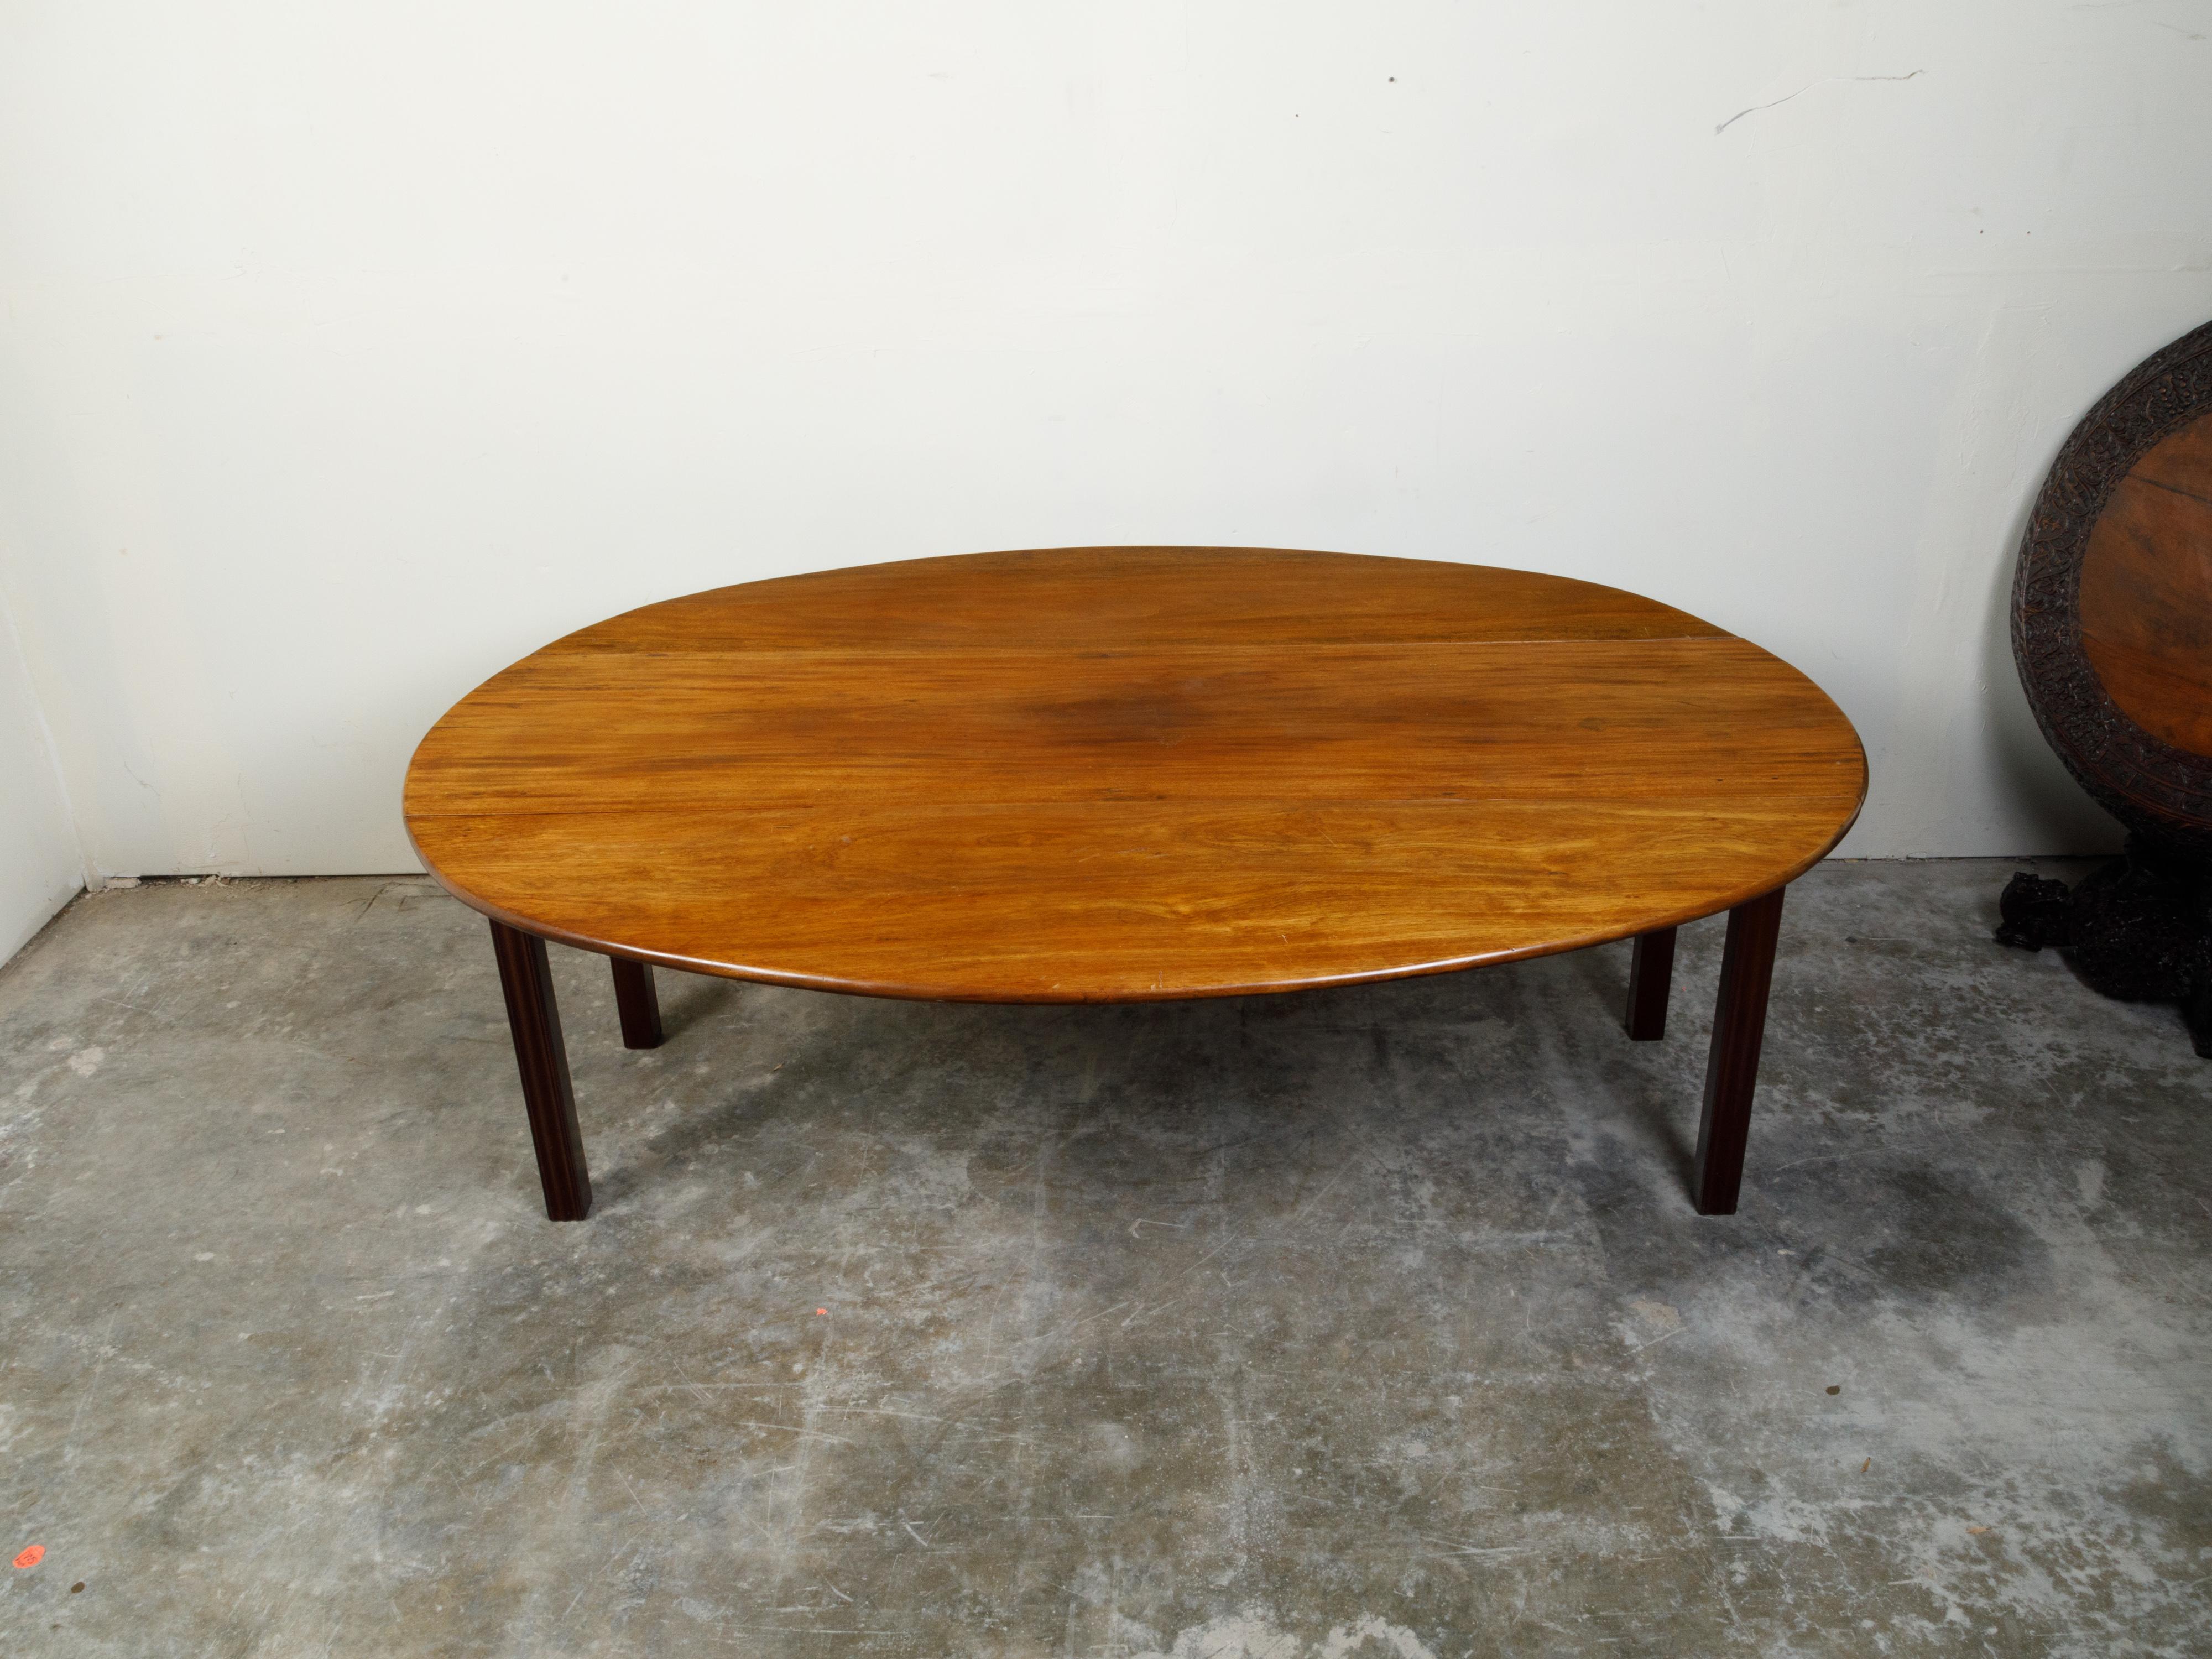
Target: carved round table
(2111, 621)
(1131, 773)
(2111, 628)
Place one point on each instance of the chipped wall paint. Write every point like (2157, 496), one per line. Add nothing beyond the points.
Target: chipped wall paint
(348, 353)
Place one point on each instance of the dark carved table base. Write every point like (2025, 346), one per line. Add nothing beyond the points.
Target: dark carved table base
(1731, 1073)
(2139, 929)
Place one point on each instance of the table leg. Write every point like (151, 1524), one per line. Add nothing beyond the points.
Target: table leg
(1732, 1070)
(535, 1019)
(637, 1002)
(1650, 975)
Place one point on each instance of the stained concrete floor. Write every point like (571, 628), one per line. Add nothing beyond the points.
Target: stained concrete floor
(1370, 1323)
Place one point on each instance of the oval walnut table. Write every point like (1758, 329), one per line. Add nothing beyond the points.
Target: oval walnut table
(1110, 775)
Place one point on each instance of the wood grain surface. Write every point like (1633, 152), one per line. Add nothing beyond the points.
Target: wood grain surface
(2147, 592)
(1113, 773)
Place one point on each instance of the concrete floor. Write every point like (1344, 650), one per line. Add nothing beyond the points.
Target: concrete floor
(1370, 1322)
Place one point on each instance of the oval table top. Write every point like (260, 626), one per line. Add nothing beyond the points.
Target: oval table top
(1129, 773)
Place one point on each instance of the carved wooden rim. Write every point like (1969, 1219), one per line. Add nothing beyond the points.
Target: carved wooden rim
(2146, 782)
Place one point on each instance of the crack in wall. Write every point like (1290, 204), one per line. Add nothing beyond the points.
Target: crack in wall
(1825, 81)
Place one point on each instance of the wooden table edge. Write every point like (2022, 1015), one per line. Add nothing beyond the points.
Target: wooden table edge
(1657, 922)
(1747, 959)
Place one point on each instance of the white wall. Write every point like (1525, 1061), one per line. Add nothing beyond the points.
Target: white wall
(40, 868)
(349, 351)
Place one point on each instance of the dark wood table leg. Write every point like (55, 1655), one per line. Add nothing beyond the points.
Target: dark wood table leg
(543, 1059)
(637, 1002)
(1650, 975)
(1732, 1070)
